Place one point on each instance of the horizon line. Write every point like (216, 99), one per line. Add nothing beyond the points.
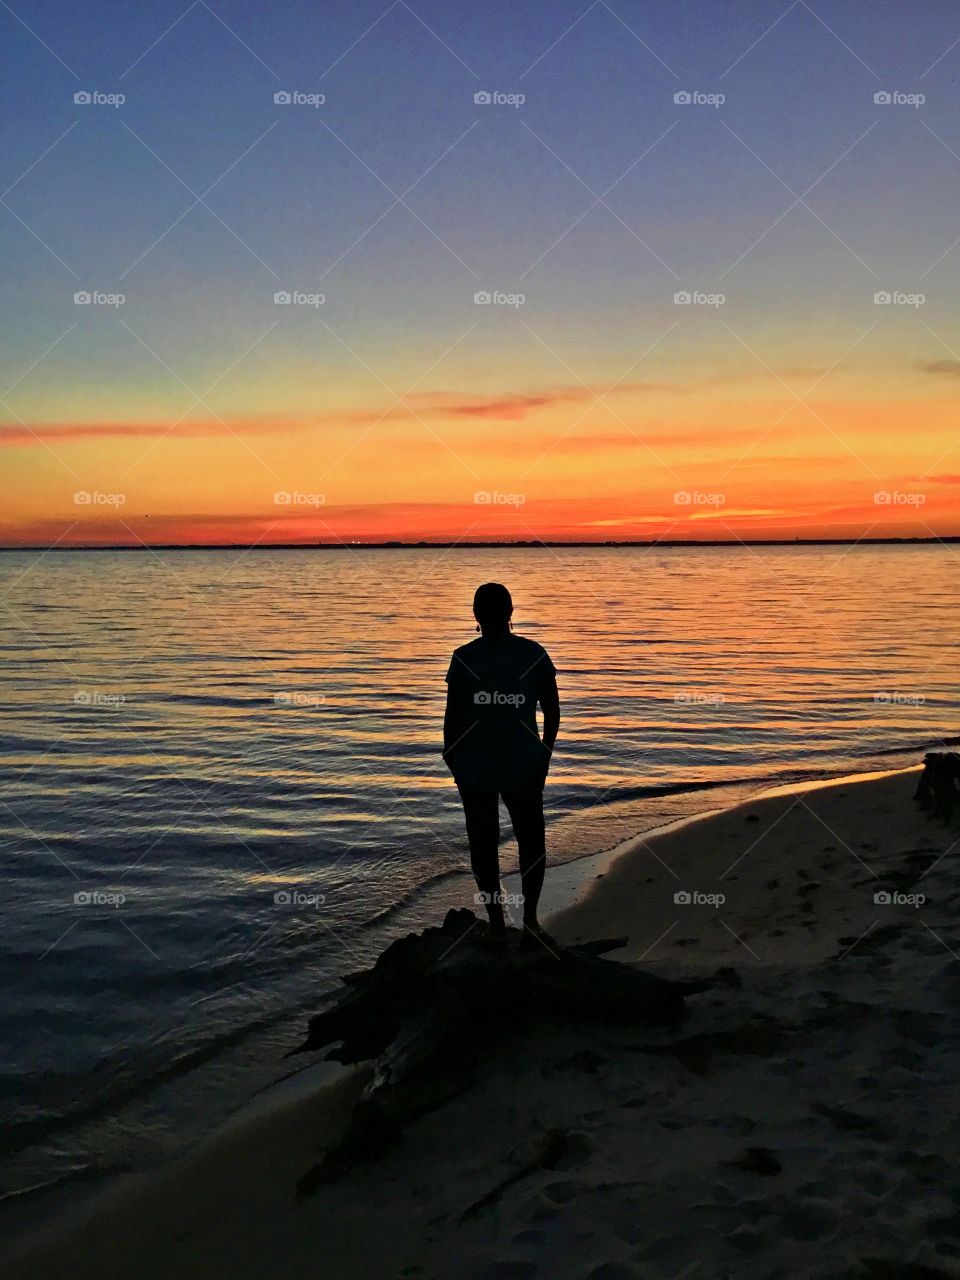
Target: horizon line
(459, 545)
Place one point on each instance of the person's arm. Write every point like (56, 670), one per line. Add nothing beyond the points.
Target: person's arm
(456, 723)
(550, 703)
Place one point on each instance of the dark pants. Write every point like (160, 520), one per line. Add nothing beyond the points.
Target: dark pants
(482, 812)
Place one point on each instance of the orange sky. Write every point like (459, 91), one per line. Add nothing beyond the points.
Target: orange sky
(869, 453)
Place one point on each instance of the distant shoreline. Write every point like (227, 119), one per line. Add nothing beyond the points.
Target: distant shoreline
(522, 545)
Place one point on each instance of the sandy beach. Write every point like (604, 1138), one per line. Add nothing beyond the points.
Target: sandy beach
(801, 1124)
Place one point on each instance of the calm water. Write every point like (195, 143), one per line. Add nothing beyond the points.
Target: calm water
(189, 735)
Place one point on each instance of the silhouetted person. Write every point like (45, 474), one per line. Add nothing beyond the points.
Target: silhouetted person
(493, 748)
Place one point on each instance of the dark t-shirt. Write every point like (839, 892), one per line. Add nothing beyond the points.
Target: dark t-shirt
(497, 685)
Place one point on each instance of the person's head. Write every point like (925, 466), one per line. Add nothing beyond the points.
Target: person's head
(492, 607)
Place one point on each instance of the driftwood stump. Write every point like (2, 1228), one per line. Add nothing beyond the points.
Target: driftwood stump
(938, 788)
(435, 1000)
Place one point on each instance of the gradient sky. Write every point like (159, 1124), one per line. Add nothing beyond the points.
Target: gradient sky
(399, 408)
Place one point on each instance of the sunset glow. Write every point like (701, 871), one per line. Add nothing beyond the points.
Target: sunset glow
(404, 314)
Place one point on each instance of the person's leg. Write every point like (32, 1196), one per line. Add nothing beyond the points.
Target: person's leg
(482, 813)
(526, 813)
